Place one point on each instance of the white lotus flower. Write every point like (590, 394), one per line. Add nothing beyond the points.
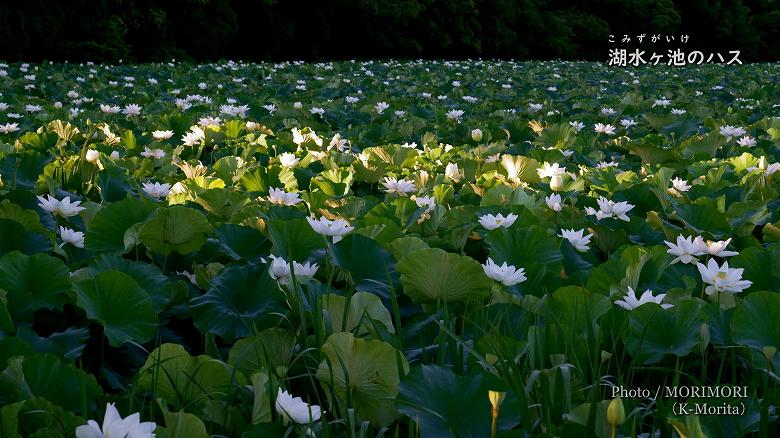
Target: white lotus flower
(132, 110)
(491, 222)
(9, 128)
(209, 121)
(604, 129)
(75, 238)
(686, 250)
(92, 156)
(577, 239)
(108, 109)
(729, 131)
(194, 136)
(680, 185)
(554, 202)
(677, 111)
(577, 125)
(508, 275)
(608, 111)
(156, 190)
(114, 155)
(281, 271)
(317, 110)
(280, 197)
(153, 153)
(115, 427)
(63, 208)
(295, 409)
(162, 135)
(662, 102)
(380, 107)
(454, 114)
(716, 249)
(476, 134)
(608, 208)
(747, 141)
(722, 278)
(300, 137)
(630, 300)
(288, 159)
(452, 172)
(550, 170)
(336, 228)
(401, 187)
(428, 202)
(627, 122)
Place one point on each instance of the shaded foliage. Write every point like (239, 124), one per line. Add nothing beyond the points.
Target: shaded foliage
(153, 30)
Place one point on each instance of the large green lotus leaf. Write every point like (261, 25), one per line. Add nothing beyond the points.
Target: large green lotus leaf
(364, 311)
(183, 380)
(6, 323)
(68, 344)
(370, 266)
(228, 169)
(402, 246)
(113, 181)
(33, 282)
(368, 370)
(221, 202)
(46, 375)
(576, 307)
(148, 276)
(432, 274)
(13, 346)
(240, 242)
(444, 404)
(107, 230)
(184, 425)
(756, 321)
(640, 268)
(29, 219)
(260, 179)
(293, 239)
(37, 418)
(16, 238)
(21, 170)
(521, 168)
(241, 301)
(504, 195)
(269, 349)
(530, 248)
(703, 217)
(334, 182)
(654, 332)
(761, 266)
(117, 302)
(176, 228)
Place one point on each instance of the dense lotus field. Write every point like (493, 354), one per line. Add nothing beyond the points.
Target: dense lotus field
(398, 249)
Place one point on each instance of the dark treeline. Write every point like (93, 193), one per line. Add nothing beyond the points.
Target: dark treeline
(153, 30)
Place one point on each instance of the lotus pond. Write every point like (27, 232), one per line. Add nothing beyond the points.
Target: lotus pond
(397, 249)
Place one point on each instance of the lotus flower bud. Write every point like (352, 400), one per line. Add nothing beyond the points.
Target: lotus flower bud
(769, 352)
(476, 134)
(556, 182)
(616, 413)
